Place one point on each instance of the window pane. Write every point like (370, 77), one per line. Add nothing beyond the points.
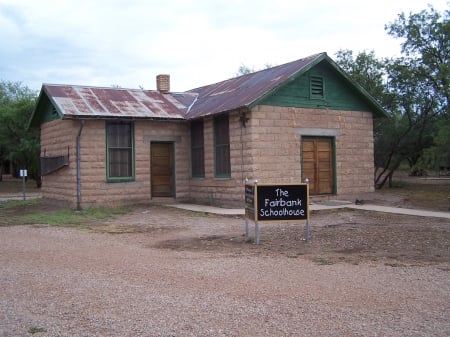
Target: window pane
(120, 150)
(120, 163)
(223, 160)
(222, 146)
(198, 168)
(119, 135)
(197, 134)
(221, 130)
(197, 149)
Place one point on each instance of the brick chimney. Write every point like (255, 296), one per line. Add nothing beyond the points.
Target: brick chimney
(163, 83)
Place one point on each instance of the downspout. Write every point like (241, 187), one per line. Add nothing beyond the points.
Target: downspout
(78, 155)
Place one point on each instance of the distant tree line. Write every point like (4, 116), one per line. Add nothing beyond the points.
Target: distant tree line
(414, 88)
(19, 145)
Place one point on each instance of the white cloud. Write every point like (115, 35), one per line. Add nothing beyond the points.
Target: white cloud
(104, 42)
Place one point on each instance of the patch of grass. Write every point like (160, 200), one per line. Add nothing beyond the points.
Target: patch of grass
(323, 261)
(35, 329)
(399, 184)
(71, 218)
(421, 195)
(14, 185)
(395, 265)
(8, 204)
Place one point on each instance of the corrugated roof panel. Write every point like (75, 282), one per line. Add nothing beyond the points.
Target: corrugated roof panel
(243, 91)
(246, 89)
(66, 105)
(78, 101)
(91, 102)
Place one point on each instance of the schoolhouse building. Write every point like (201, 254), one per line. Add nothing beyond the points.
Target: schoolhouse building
(301, 120)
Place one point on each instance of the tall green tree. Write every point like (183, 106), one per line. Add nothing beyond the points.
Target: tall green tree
(426, 48)
(18, 144)
(414, 88)
(421, 80)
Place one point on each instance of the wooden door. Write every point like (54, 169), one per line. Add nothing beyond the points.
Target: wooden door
(317, 164)
(162, 170)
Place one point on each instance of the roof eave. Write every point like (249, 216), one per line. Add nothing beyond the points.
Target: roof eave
(32, 122)
(102, 117)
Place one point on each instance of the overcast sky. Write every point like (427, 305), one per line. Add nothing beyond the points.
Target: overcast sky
(197, 42)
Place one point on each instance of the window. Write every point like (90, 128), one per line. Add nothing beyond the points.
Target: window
(316, 87)
(120, 151)
(222, 147)
(197, 149)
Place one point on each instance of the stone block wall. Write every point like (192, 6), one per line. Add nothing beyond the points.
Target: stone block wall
(268, 148)
(276, 134)
(56, 137)
(95, 189)
(221, 191)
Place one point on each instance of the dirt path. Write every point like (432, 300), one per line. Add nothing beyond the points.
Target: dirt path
(164, 272)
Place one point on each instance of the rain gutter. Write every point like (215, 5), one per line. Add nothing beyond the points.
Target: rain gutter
(78, 155)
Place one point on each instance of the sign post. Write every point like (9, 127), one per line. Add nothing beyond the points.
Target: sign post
(307, 234)
(281, 202)
(250, 209)
(23, 174)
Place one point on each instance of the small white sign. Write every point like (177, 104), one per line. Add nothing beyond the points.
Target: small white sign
(23, 173)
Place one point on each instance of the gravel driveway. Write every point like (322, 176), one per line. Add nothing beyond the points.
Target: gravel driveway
(129, 277)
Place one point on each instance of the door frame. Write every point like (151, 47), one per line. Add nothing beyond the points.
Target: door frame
(172, 168)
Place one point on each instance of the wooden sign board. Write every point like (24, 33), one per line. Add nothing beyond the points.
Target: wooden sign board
(281, 202)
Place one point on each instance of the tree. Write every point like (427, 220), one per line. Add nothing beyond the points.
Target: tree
(244, 70)
(414, 88)
(366, 70)
(427, 47)
(421, 79)
(18, 144)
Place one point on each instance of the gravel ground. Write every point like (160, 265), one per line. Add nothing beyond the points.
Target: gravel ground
(140, 282)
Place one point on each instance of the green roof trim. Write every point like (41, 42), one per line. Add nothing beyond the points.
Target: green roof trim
(46, 110)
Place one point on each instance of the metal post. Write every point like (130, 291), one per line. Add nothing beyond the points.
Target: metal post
(257, 233)
(246, 229)
(255, 182)
(23, 186)
(307, 231)
(78, 155)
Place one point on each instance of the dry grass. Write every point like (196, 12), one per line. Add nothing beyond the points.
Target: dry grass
(10, 185)
(420, 193)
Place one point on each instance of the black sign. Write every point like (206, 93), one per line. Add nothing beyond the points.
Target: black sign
(250, 201)
(277, 202)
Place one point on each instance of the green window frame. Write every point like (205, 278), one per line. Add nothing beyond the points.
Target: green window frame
(120, 161)
(197, 149)
(316, 87)
(222, 147)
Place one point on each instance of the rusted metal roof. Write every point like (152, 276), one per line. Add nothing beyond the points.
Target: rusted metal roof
(239, 92)
(94, 102)
(245, 90)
